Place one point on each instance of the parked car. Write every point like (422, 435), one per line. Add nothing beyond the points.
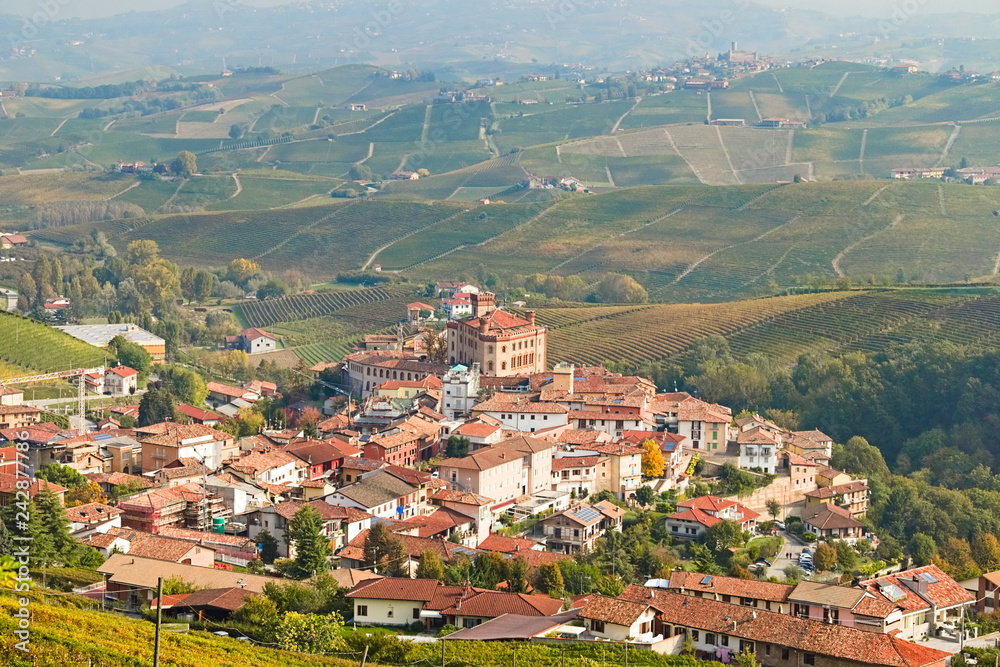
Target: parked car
(807, 550)
(764, 561)
(780, 525)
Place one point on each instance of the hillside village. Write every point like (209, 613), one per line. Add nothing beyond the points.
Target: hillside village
(456, 498)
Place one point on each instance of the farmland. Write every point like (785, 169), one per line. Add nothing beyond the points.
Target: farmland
(305, 306)
(31, 347)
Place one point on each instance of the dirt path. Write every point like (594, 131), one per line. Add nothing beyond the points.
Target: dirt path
(611, 179)
(375, 254)
(729, 160)
(673, 145)
(809, 108)
(620, 147)
(380, 120)
(169, 201)
(788, 150)
(425, 130)
(944, 211)
(756, 107)
(775, 77)
(58, 127)
(239, 186)
(708, 98)
(619, 121)
(875, 195)
(316, 115)
(839, 84)
(134, 185)
(299, 231)
(108, 126)
(948, 146)
(371, 152)
(559, 153)
(864, 145)
(840, 256)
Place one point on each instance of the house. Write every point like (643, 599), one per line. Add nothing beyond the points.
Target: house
(852, 496)
(616, 619)
(354, 106)
(340, 524)
(169, 441)
(930, 601)
(353, 555)
(362, 371)
(273, 466)
(11, 491)
(758, 449)
(456, 289)
(401, 175)
(85, 520)
(132, 580)
(252, 341)
(704, 425)
(381, 494)
(512, 468)
(8, 241)
(525, 415)
(10, 462)
(626, 466)
(513, 627)
(988, 598)
(402, 601)
(188, 505)
(907, 173)
(503, 344)
(179, 472)
(211, 603)
(576, 529)
(199, 416)
(745, 592)
(719, 630)
(18, 416)
(694, 516)
(581, 475)
(322, 457)
(471, 505)
(830, 521)
(121, 381)
(460, 388)
(457, 307)
(418, 312)
(157, 547)
(11, 395)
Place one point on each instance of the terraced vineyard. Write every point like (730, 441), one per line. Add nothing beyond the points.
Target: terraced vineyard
(651, 333)
(32, 347)
(304, 306)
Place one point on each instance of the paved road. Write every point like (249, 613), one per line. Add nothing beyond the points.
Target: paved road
(792, 546)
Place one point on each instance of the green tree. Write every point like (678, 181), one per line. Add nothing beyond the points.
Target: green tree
(187, 385)
(458, 446)
(385, 552)
(724, 535)
(131, 354)
(858, 457)
(922, 549)
(549, 579)
(488, 570)
(62, 475)
(746, 658)
(268, 546)
(185, 164)
(156, 406)
(6, 541)
(518, 574)
(430, 566)
(985, 551)
(774, 508)
(645, 495)
(312, 548)
(825, 558)
(361, 172)
(609, 586)
(273, 289)
(309, 633)
(847, 557)
(703, 560)
(175, 585)
(620, 288)
(203, 285)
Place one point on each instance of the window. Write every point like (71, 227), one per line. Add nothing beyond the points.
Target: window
(809, 659)
(597, 626)
(784, 654)
(389, 613)
(747, 602)
(694, 635)
(416, 613)
(746, 646)
(710, 639)
(724, 640)
(362, 610)
(767, 649)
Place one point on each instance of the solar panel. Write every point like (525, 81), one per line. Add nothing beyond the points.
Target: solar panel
(706, 581)
(103, 436)
(587, 514)
(928, 577)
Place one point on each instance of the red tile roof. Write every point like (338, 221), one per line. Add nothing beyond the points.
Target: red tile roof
(617, 611)
(91, 513)
(576, 462)
(395, 588)
(490, 604)
(228, 599)
(830, 517)
(198, 414)
(509, 545)
(746, 588)
(946, 592)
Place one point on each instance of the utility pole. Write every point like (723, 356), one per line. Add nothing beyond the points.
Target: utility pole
(159, 621)
(626, 654)
(442, 652)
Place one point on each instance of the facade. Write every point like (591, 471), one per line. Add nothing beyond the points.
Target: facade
(830, 521)
(582, 475)
(852, 496)
(364, 370)
(252, 341)
(121, 380)
(694, 516)
(503, 344)
(758, 450)
(460, 389)
(169, 441)
(576, 529)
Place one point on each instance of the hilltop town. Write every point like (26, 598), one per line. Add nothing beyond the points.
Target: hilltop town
(486, 495)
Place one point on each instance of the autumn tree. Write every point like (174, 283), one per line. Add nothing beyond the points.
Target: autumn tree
(620, 288)
(955, 559)
(653, 463)
(436, 348)
(430, 566)
(774, 508)
(825, 558)
(240, 270)
(185, 164)
(986, 552)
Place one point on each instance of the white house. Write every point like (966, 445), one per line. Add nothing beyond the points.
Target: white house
(121, 380)
(340, 524)
(758, 449)
(381, 494)
(619, 620)
(86, 520)
(527, 416)
(460, 389)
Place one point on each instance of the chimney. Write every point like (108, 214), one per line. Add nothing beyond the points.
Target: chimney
(530, 316)
(484, 326)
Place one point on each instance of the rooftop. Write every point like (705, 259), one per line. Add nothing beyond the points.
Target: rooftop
(99, 335)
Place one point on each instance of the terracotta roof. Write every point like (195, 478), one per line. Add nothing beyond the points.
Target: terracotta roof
(756, 436)
(829, 517)
(577, 436)
(617, 611)
(509, 545)
(583, 514)
(618, 449)
(696, 516)
(428, 382)
(490, 604)
(19, 410)
(316, 452)
(198, 414)
(441, 520)
(576, 462)
(498, 404)
(944, 592)
(708, 503)
(228, 599)
(375, 489)
(124, 371)
(463, 497)
(836, 641)
(476, 430)
(483, 459)
(814, 435)
(358, 463)
(700, 411)
(395, 588)
(148, 545)
(413, 545)
(225, 389)
(91, 513)
(183, 467)
(8, 485)
(839, 489)
(499, 322)
(117, 478)
(129, 570)
(258, 462)
(254, 334)
(745, 588)
(511, 627)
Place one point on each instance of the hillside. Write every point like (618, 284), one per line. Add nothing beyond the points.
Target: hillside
(684, 243)
(781, 328)
(65, 636)
(30, 347)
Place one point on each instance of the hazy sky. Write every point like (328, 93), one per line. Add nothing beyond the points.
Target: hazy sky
(875, 8)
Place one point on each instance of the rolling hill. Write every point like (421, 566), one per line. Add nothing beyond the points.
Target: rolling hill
(30, 347)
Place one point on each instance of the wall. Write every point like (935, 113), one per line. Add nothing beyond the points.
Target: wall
(378, 612)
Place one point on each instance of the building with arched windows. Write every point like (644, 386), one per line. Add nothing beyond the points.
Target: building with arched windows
(502, 343)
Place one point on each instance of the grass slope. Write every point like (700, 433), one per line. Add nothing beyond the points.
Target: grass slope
(31, 346)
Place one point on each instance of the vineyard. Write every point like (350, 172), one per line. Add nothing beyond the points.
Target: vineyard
(656, 332)
(304, 306)
(35, 347)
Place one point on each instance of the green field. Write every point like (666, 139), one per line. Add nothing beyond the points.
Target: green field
(30, 346)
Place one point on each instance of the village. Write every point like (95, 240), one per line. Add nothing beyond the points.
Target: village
(494, 455)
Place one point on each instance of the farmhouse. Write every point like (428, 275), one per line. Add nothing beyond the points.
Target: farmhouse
(252, 341)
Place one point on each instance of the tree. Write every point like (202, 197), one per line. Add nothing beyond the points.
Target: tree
(436, 348)
(703, 560)
(794, 573)
(955, 558)
(645, 495)
(458, 446)
(6, 541)
(185, 164)
(620, 288)
(518, 574)
(985, 551)
(62, 475)
(488, 570)
(240, 270)
(430, 566)
(653, 462)
(141, 251)
(131, 354)
(746, 658)
(312, 548)
(922, 549)
(273, 289)
(609, 586)
(268, 546)
(187, 385)
(774, 508)
(725, 534)
(361, 172)
(91, 492)
(847, 557)
(236, 131)
(549, 579)
(381, 547)
(156, 406)
(309, 633)
(28, 288)
(176, 586)
(825, 558)
(203, 285)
